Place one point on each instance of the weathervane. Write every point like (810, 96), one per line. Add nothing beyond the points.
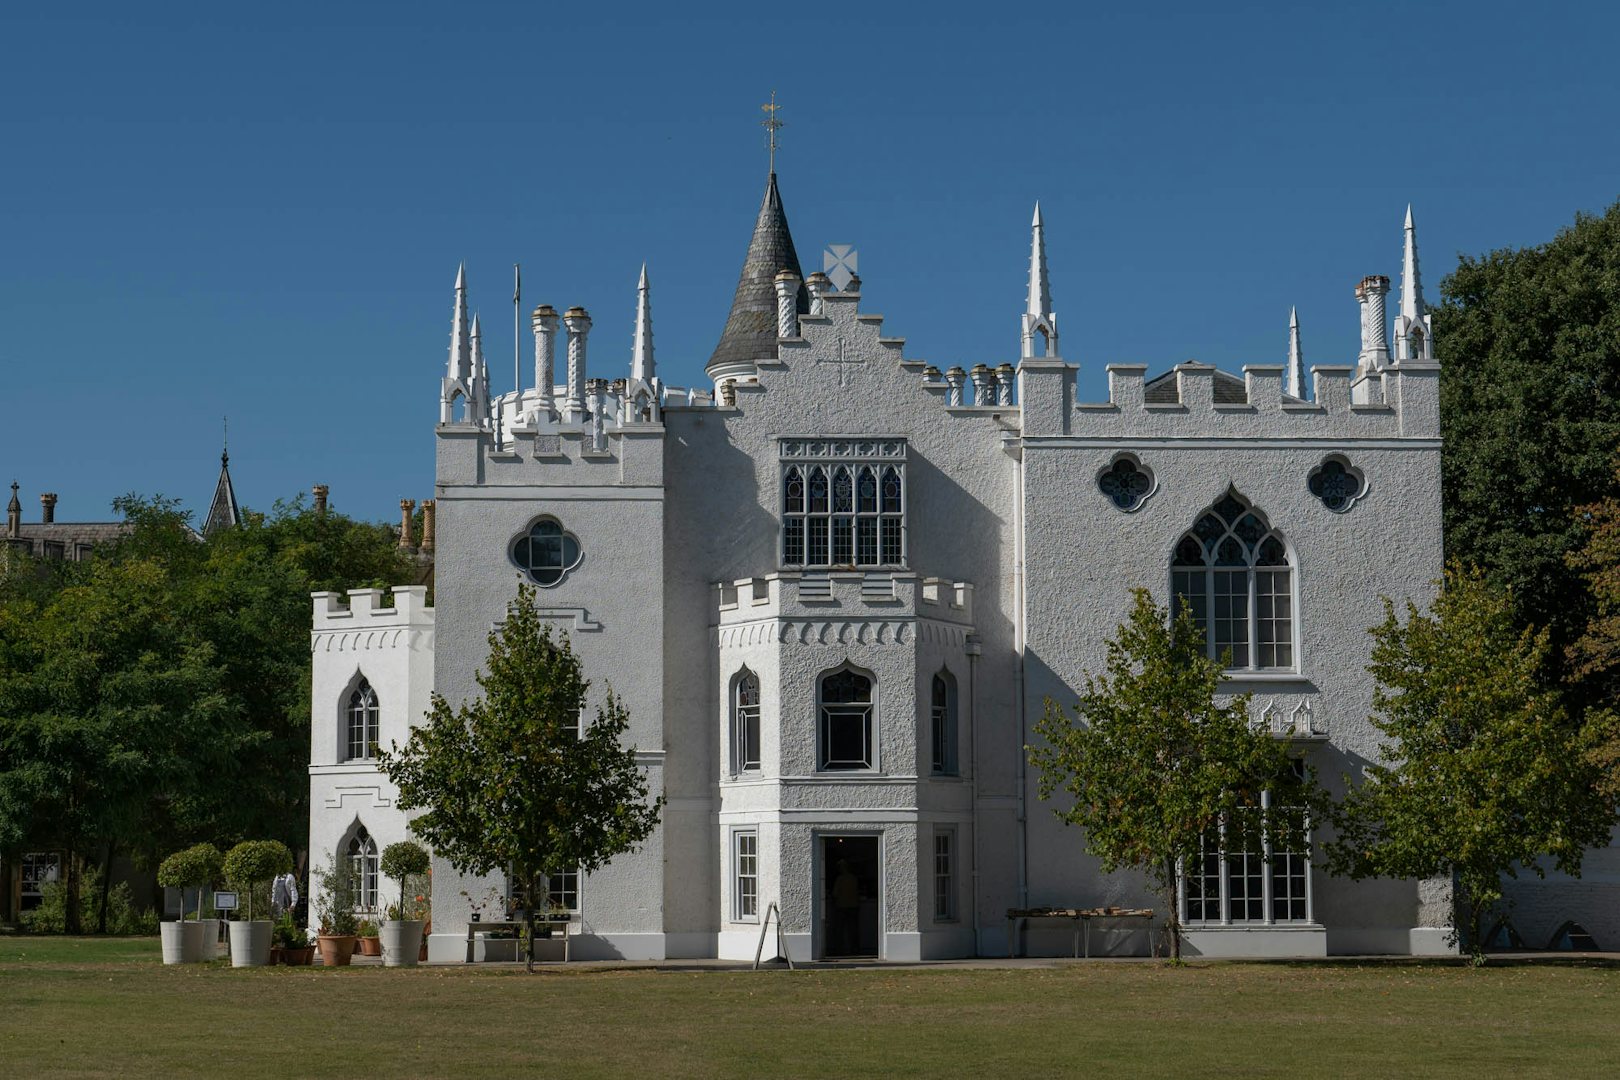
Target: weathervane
(772, 125)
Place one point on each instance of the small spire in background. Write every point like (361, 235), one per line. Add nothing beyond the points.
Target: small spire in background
(1296, 357)
(1039, 320)
(641, 355)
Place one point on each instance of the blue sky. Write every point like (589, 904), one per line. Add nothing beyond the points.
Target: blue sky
(216, 209)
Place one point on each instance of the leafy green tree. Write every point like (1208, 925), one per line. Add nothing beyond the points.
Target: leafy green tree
(1594, 657)
(1153, 762)
(509, 782)
(1530, 412)
(1484, 771)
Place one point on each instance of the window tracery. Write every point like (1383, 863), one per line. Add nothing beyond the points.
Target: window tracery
(546, 552)
(846, 737)
(1234, 571)
(843, 503)
(1337, 483)
(362, 714)
(1127, 483)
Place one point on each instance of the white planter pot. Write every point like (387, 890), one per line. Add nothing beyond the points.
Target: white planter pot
(401, 942)
(182, 942)
(212, 948)
(487, 950)
(250, 942)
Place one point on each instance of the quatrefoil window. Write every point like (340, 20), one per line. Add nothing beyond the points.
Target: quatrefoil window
(1127, 483)
(1337, 483)
(546, 552)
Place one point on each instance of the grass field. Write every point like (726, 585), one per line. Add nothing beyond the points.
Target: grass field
(108, 1008)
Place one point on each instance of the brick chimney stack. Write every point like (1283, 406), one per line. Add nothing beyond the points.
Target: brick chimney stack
(47, 506)
(321, 491)
(406, 508)
(429, 512)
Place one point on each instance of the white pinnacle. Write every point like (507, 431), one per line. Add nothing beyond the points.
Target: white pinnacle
(641, 356)
(480, 375)
(460, 347)
(1040, 290)
(1296, 357)
(1411, 282)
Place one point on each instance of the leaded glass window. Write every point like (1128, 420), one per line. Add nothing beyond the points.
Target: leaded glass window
(546, 552)
(1234, 571)
(1127, 483)
(843, 503)
(363, 873)
(1337, 484)
(846, 735)
(362, 713)
(745, 722)
(942, 725)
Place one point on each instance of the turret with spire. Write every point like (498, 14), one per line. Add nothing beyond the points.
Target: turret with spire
(1413, 332)
(223, 512)
(458, 379)
(1038, 316)
(1296, 358)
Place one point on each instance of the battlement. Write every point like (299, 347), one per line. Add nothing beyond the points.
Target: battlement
(818, 594)
(364, 610)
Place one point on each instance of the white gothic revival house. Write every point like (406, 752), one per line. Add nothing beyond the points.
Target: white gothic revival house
(835, 592)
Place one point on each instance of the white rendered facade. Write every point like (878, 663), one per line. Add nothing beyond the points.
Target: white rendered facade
(740, 626)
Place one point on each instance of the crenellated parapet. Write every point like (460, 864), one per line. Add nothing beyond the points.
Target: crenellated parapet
(364, 623)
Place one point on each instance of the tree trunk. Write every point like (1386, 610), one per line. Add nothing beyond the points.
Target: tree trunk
(106, 888)
(528, 918)
(72, 924)
(1173, 918)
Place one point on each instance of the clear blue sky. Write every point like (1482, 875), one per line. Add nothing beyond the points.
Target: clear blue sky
(215, 208)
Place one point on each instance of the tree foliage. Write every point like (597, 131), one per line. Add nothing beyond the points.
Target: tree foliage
(509, 782)
(1484, 773)
(1530, 412)
(1153, 761)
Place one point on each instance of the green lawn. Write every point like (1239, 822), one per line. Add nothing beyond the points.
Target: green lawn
(109, 1008)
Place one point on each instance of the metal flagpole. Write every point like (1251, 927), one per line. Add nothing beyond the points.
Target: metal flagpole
(517, 329)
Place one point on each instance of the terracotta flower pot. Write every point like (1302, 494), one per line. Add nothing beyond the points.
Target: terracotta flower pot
(298, 957)
(337, 949)
(275, 955)
(370, 946)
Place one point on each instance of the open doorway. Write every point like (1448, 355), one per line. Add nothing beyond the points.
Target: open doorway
(850, 894)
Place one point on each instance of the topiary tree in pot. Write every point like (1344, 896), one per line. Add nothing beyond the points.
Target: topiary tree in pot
(196, 867)
(402, 937)
(334, 900)
(249, 865)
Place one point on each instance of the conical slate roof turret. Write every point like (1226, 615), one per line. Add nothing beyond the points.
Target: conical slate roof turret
(223, 513)
(750, 332)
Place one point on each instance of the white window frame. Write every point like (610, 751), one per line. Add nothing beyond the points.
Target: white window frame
(746, 732)
(1197, 582)
(364, 869)
(801, 456)
(745, 875)
(362, 711)
(1217, 866)
(824, 711)
(945, 876)
(562, 886)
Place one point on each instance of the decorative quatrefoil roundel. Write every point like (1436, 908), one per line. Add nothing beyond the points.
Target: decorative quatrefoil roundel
(546, 552)
(1337, 483)
(1127, 482)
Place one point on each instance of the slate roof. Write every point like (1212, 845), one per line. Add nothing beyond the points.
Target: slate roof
(223, 513)
(750, 332)
(1163, 390)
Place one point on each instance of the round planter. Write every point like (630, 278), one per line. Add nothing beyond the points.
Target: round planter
(370, 946)
(182, 942)
(401, 942)
(298, 957)
(250, 942)
(336, 949)
(275, 955)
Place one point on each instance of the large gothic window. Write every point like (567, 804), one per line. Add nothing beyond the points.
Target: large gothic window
(846, 736)
(745, 722)
(362, 857)
(843, 502)
(1233, 569)
(361, 712)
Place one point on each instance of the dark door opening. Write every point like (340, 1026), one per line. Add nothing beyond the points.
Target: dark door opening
(850, 891)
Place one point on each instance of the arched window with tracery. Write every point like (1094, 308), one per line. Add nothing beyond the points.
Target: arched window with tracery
(847, 739)
(942, 725)
(362, 856)
(847, 509)
(1234, 570)
(745, 722)
(362, 711)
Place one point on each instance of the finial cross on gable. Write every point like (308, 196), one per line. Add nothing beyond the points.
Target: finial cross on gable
(844, 362)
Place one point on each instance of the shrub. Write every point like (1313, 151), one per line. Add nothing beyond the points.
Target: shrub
(334, 897)
(400, 861)
(253, 862)
(367, 928)
(50, 917)
(196, 867)
(288, 934)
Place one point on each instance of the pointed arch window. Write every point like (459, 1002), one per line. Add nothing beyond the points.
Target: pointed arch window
(745, 722)
(362, 858)
(362, 713)
(846, 737)
(1235, 572)
(846, 506)
(942, 725)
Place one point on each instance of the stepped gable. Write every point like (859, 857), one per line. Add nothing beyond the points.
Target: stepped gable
(750, 332)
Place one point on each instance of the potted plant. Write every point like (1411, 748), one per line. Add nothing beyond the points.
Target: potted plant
(293, 943)
(249, 865)
(367, 943)
(401, 935)
(334, 907)
(195, 867)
